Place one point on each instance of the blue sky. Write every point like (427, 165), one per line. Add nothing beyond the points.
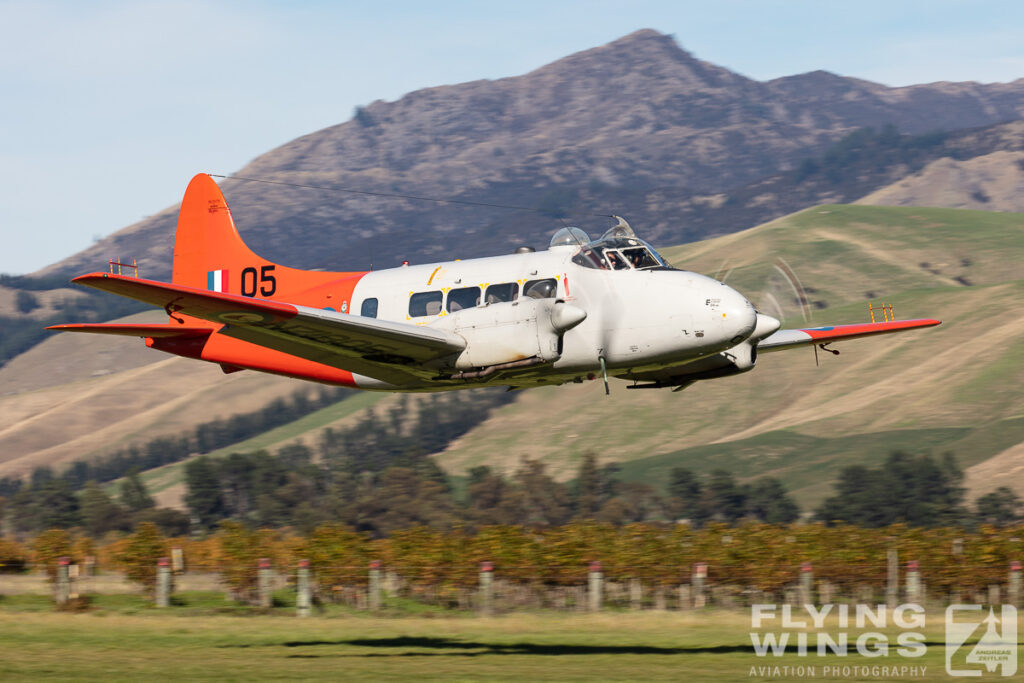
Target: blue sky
(108, 108)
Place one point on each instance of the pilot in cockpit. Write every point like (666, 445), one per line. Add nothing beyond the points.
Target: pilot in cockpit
(615, 260)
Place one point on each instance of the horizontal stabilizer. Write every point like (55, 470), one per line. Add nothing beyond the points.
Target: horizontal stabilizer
(157, 331)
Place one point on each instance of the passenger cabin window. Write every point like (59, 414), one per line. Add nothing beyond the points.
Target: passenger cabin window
(504, 292)
(425, 303)
(369, 308)
(466, 297)
(541, 289)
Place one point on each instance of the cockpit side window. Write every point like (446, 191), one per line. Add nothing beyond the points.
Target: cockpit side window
(541, 289)
(640, 258)
(588, 258)
(465, 297)
(369, 308)
(506, 291)
(425, 303)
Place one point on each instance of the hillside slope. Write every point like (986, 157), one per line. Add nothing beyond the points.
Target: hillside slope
(991, 182)
(78, 396)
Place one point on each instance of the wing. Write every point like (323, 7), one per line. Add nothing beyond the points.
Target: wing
(390, 351)
(787, 339)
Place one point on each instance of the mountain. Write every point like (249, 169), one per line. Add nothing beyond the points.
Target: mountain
(638, 127)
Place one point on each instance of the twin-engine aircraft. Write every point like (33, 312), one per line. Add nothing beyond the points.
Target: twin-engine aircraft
(581, 310)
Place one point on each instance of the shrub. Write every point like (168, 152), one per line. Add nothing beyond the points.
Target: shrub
(13, 557)
(48, 547)
(140, 553)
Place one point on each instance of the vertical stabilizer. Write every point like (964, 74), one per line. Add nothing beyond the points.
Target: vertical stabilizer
(210, 254)
(208, 251)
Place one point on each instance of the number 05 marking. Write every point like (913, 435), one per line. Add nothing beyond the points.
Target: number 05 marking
(267, 282)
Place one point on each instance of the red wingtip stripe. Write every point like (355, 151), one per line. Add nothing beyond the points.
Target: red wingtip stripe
(856, 330)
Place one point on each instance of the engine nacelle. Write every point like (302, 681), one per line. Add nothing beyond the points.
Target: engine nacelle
(742, 356)
(512, 331)
(737, 360)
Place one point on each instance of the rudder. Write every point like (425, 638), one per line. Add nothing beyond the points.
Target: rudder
(210, 254)
(208, 251)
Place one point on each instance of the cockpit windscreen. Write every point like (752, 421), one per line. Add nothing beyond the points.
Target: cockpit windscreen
(631, 254)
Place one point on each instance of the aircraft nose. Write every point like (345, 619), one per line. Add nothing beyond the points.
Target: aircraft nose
(738, 315)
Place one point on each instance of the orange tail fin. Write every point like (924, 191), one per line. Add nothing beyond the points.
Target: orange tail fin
(208, 251)
(210, 254)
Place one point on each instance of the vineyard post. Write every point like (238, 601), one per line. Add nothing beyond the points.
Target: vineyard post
(825, 592)
(486, 588)
(594, 585)
(177, 560)
(373, 599)
(304, 597)
(806, 583)
(892, 584)
(163, 582)
(63, 581)
(659, 598)
(913, 582)
(1013, 585)
(957, 551)
(700, 574)
(684, 596)
(636, 594)
(264, 579)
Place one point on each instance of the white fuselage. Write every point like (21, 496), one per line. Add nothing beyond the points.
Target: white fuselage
(638, 321)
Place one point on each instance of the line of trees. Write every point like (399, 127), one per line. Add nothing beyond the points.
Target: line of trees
(49, 503)
(378, 480)
(303, 488)
(916, 490)
(379, 492)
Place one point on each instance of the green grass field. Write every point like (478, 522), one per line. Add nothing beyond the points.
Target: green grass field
(648, 646)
